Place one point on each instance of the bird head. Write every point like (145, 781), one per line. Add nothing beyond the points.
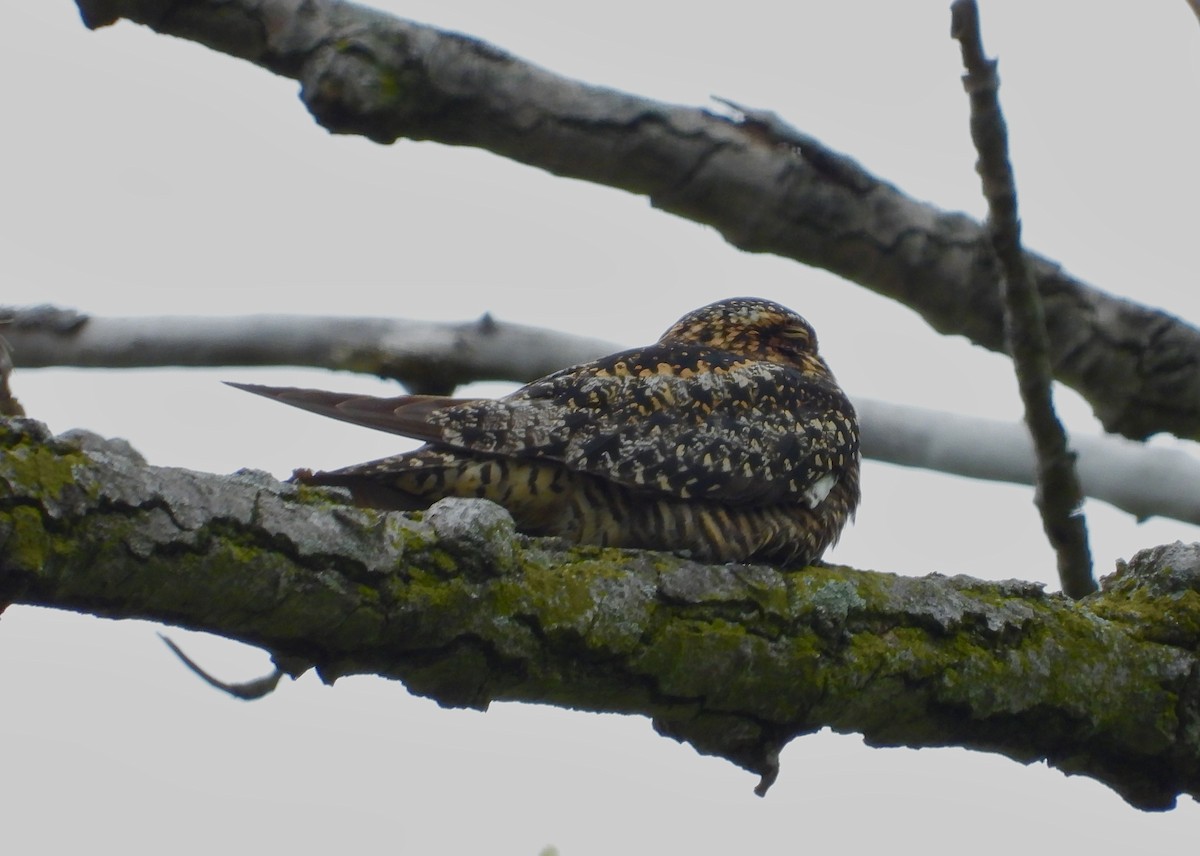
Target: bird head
(750, 327)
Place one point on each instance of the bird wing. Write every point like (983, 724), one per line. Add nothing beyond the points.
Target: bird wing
(676, 420)
(670, 419)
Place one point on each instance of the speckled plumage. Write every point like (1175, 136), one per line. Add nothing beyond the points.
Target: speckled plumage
(728, 439)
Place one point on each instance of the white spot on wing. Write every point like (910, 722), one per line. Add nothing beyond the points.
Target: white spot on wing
(819, 489)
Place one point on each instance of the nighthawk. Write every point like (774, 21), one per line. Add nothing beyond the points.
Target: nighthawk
(728, 440)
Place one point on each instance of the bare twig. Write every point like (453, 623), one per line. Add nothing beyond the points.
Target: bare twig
(1059, 496)
(248, 691)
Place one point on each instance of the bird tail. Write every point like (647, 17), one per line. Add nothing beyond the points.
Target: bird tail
(407, 415)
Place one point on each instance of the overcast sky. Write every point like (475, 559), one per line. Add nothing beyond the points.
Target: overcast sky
(146, 175)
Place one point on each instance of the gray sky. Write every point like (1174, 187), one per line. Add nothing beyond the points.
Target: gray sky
(145, 175)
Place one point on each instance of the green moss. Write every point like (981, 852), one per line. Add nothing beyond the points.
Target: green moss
(28, 544)
(368, 594)
(314, 495)
(43, 469)
(442, 561)
(595, 606)
(413, 540)
(825, 601)
(279, 600)
(458, 677)
(392, 86)
(47, 469)
(738, 666)
(428, 610)
(1172, 618)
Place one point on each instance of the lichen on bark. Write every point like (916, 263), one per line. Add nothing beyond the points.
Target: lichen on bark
(735, 659)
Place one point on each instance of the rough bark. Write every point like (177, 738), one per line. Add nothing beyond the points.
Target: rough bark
(367, 73)
(736, 660)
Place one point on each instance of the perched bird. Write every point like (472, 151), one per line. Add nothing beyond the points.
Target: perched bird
(728, 439)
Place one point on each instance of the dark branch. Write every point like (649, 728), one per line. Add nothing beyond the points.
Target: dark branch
(1059, 496)
(364, 72)
(737, 660)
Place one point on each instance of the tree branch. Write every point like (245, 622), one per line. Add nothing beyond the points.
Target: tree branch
(367, 73)
(736, 660)
(1142, 481)
(9, 406)
(428, 356)
(1059, 496)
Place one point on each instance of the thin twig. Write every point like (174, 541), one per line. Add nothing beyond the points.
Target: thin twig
(1059, 496)
(248, 691)
(9, 406)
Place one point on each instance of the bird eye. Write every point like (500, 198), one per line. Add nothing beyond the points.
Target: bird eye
(796, 335)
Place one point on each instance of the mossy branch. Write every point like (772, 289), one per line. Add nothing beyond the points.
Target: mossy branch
(736, 660)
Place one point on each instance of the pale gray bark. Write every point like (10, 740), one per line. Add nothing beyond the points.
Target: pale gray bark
(426, 356)
(1142, 480)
